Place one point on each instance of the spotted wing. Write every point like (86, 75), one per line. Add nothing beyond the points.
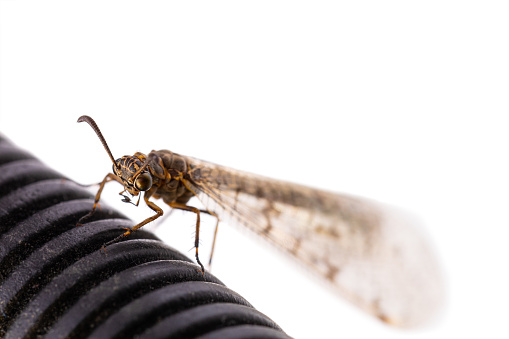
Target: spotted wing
(368, 252)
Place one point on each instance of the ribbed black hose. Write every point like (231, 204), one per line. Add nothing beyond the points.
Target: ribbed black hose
(56, 282)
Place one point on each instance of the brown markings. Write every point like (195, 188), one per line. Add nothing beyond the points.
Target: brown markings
(268, 212)
(380, 315)
(385, 318)
(296, 247)
(331, 273)
(329, 231)
(237, 191)
(268, 227)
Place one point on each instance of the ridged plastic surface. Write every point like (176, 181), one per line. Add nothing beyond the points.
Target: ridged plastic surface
(56, 282)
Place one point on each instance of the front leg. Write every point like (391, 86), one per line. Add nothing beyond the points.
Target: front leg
(107, 178)
(154, 207)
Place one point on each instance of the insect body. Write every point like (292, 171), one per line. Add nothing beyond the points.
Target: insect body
(161, 174)
(366, 251)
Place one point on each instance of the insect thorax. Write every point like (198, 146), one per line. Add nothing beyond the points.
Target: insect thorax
(167, 168)
(167, 162)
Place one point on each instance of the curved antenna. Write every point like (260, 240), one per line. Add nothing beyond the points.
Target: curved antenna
(97, 131)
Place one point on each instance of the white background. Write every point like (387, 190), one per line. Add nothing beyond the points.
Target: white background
(401, 101)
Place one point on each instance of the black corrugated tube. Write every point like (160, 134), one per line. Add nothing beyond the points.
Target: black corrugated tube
(56, 282)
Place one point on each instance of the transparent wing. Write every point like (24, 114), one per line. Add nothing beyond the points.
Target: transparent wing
(370, 253)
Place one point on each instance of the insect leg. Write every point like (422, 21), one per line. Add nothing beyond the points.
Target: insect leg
(214, 239)
(107, 178)
(197, 235)
(154, 207)
(189, 186)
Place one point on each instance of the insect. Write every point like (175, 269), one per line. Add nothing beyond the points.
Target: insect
(368, 252)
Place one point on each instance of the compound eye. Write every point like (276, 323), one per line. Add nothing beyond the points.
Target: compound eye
(143, 182)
